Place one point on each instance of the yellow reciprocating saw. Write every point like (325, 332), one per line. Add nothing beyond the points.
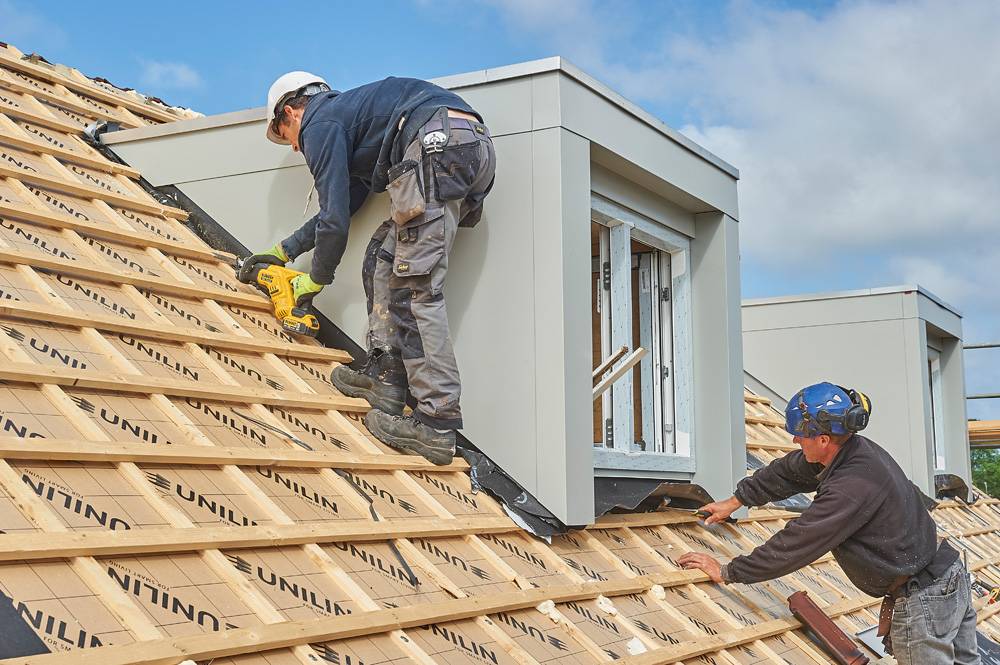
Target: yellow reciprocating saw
(275, 280)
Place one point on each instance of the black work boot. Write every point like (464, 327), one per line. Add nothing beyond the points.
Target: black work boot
(381, 381)
(411, 436)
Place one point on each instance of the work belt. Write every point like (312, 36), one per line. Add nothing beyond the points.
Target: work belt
(435, 124)
(904, 585)
(439, 121)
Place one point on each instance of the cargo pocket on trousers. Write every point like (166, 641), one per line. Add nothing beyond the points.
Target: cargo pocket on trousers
(406, 195)
(420, 246)
(455, 169)
(942, 613)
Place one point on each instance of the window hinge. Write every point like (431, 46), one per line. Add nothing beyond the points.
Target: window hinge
(606, 275)
(665, 294)
(609, 433)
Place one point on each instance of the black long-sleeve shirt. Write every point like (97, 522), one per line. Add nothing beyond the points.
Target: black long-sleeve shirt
(866, 511)
(347, 140)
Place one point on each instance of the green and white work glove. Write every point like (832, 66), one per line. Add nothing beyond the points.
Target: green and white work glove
(275, 256)
(304, 289)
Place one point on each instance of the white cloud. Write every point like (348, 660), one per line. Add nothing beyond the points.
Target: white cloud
(871, 131)
(873, 126)
(168, 76)
(868, 130)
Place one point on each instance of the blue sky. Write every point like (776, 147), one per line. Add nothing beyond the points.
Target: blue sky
(865, 131)
(232, 50)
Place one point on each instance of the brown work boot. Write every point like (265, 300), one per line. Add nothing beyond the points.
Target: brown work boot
(411, 436)
(381, 381)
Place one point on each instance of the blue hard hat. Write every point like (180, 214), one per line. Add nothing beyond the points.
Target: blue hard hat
(821, 408)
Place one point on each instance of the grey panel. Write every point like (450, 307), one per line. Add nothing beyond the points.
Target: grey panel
(229, 150)
(612, 128)
(720, 436)
(833, 311)
(560, 261)
(613, 186)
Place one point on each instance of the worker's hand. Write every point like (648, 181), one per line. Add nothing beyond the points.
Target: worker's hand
(304, 289)
(703, 562)
(274, 256)
(720, 510)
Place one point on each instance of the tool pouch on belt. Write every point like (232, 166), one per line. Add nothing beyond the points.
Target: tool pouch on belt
(455, 168)
(406, 194)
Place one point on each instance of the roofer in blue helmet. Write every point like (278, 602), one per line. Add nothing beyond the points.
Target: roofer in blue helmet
(429, 149)
(870, 516)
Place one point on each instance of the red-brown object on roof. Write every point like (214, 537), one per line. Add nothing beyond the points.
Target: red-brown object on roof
(838, 645)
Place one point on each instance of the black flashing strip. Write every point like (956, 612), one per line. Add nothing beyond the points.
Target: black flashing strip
(17, 639)
(277, 430)
(414, 581)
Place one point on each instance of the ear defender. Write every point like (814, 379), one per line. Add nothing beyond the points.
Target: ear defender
(857, 417)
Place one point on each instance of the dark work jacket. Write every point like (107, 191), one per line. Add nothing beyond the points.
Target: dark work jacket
(347, 139)
(866, 511)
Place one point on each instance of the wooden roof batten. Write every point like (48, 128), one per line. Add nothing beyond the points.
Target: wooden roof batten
(179, 480)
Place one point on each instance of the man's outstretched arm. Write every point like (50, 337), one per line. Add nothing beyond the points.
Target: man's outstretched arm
(782, 478)
(304, 238)
(830, 520)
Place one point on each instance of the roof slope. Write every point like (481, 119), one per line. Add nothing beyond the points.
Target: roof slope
(179, 481)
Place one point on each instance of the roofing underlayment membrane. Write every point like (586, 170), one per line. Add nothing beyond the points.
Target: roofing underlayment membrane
(179, 482)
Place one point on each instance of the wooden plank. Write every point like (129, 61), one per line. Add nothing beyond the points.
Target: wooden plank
(977, 532)
(754, 420)
(34, 313)
(51, 122)
(772, 445)
(82, 450)
(711, 643)
(21, 140)
(66, 100)
(628, 363)
(667, 517)
(42, 546)
(55, 220)
(134, 384)
(40, 72)
(276, 636)
(89, 192)
(609, 361)
(157, 284)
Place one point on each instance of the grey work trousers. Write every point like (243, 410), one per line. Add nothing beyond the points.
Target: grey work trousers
(937, 625)
(405, 266)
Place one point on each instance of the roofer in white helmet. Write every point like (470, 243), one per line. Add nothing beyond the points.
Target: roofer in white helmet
(434, 155)
(868, 513)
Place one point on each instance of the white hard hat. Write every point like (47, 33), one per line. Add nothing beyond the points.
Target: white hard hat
(284, 86)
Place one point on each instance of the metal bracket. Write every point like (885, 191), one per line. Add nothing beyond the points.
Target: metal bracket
(609, 433)
(606, 275)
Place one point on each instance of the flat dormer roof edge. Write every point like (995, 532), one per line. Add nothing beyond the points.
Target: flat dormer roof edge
(831, 295)
(453, 82)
